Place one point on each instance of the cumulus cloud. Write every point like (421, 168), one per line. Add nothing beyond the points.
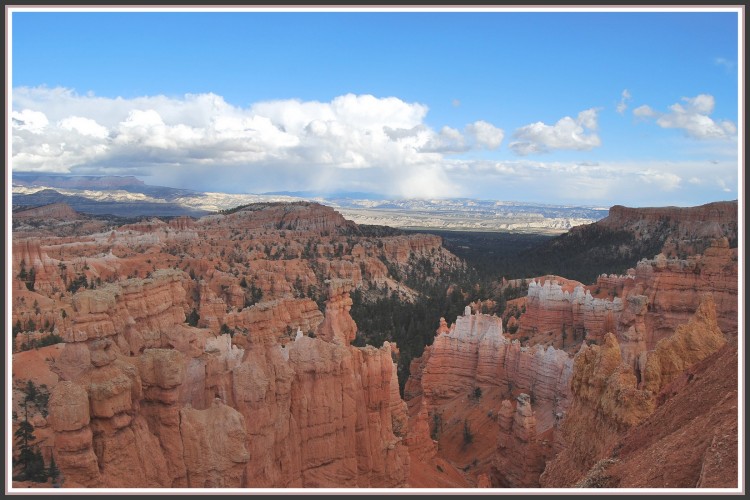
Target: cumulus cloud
(568, 133)
(623, 104)
(352, 143)
(58, 130)
(84, 126)
(477, 135)
(692, 117)
(485, 134)
(29, 120)
(644, 111)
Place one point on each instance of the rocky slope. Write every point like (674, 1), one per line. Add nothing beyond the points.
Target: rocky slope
(60, 211)
(556, 420)
(611, 407)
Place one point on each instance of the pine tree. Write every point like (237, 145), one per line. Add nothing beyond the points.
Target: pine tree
(30, 460)
(192, 318)
(31, 392)
(53, 472)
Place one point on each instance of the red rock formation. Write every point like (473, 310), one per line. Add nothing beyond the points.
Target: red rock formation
(651, 302)
(718, 214)
(136, 311)
(522, 452)
(606, 403)
(292, 411)
(338, 326)
(214, 444)
(74, 454)
(474, 362)
(690, 343)
(299, 216)
(275, 321)
(41, 271)
(162, 373)
(608, 400)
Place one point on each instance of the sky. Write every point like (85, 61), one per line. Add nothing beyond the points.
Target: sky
(574, 107)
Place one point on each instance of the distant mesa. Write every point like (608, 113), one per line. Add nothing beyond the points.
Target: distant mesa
(76, 181)
(59, 211)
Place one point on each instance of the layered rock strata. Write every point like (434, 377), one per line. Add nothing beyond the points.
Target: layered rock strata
(472, 361)
(608, 400)
(640, 308)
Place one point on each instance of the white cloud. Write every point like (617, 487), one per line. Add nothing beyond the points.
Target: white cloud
(353, 143)
(623, 104)
(448, 140)
(568, 133)
(58, 130)
(723, 186)
(477, 135)
(485, 134)
(692, 116)
(84, 126)
(426, 182)
(644, 111)
(667, 181)
(33, 121)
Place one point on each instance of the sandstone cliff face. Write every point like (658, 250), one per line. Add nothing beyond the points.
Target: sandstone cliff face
(522, 452)
(214, 443)
(135, 312)
(705, 221)
(689, 344)
(70, 418)
(34, 269)
(457, 389)
(338, 326)
(608, 401)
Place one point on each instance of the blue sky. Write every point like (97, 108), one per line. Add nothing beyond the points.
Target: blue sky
(597, 108)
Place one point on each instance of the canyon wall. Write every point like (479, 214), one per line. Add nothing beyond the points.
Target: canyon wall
(640, 308)
(477, 398)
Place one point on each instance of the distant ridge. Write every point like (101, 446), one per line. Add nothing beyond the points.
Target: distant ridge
(121, 208)
(627, 235)
(60, 211)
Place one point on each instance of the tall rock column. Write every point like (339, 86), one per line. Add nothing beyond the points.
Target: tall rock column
(338, 326)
